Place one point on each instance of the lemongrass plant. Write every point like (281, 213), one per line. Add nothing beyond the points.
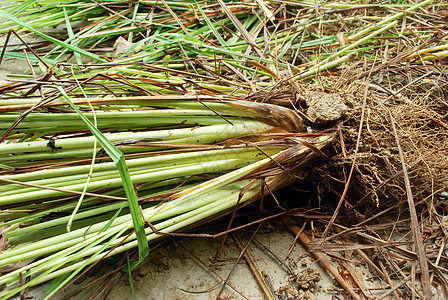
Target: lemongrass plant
(184, 208)
(174, 146)
(101, 229)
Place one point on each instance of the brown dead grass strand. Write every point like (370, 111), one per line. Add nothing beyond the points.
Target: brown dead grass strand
(417, 235)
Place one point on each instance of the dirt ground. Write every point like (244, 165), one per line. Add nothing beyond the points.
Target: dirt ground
(183, 268)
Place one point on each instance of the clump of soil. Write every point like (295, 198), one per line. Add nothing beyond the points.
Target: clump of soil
(301, 285)
(325, 107)
(158, 261)
(307, 279)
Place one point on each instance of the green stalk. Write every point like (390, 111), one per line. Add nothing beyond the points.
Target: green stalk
(156, 162)
(85, 263)
(328, 63)
(71, 35)
(389, 19)
(206, 165)
(212, 167)
(216, 133)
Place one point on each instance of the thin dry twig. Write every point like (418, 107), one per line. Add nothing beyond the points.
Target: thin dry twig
(254, 268)
(416, 233)
(237, 261)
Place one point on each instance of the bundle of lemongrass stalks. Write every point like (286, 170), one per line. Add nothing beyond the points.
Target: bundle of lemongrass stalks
(105, 157)
(187, 159)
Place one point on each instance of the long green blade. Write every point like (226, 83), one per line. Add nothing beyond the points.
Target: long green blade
(73, 48)
(118, 158)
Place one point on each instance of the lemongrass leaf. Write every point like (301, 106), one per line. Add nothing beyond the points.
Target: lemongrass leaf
(71, 35)
(118, 158)
(131, 280)
(10, 17)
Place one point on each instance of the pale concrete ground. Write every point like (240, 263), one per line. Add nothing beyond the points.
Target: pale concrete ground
(11, 66)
